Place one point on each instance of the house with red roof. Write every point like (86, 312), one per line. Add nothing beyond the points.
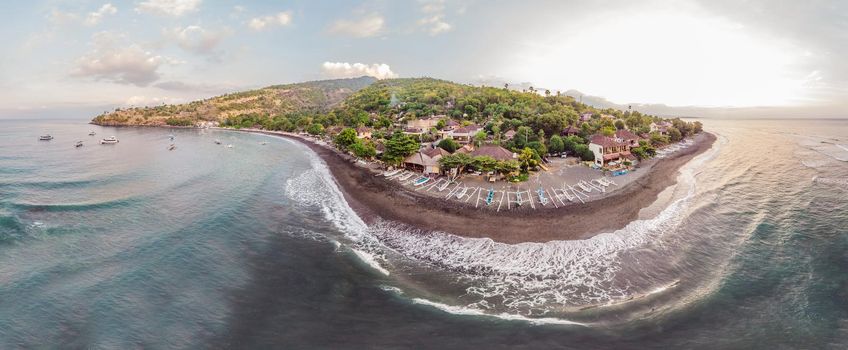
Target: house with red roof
(608, 149)
(628, 137)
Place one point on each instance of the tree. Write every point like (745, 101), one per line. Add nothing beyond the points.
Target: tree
(479, 138)
(316, 129)
(456, 161)
(484, 163)
(674, 134)
(441, 124)
(363, 149)
(345, 138)
(584, 152)
(557, 146)
(608, 131)
(639, 152)
(658, 140)
(528, 159)
(399, 147)
(697, 127)
(448, 145)
(619, 124)
(538, 147)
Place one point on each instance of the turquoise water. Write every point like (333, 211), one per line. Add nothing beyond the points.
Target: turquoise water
(132, 245)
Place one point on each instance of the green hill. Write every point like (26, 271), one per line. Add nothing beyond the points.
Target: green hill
(309, 97)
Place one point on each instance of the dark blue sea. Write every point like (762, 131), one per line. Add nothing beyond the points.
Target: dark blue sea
(132, 246)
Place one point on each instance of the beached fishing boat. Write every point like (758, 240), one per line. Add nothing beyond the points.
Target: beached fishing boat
(490, 196)
(390, 173)
(542, 198)
(461, 193)
(584, 187)
(422, 181)
(45, 138)
(405, 177)
(445, 185)
(111, 140)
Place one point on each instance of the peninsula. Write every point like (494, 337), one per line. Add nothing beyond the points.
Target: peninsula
(514, 166)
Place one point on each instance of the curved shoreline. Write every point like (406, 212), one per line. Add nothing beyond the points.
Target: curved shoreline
(375, 198)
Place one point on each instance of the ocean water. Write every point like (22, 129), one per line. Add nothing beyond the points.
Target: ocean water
(134, 246)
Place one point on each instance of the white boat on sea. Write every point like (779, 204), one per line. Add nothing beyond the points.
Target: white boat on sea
(109, 140)
(45, 138)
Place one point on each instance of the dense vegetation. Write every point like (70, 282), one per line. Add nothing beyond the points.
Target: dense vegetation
(538, 121)
(244, 109)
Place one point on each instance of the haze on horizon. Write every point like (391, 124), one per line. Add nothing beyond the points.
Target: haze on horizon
(704, 58)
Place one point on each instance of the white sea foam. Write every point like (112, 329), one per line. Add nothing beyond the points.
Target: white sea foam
(526, 277)
(370, 260)
(459, 310)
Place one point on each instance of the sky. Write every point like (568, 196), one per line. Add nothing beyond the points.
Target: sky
(710, 58)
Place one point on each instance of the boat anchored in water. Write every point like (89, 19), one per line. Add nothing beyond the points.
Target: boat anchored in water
(109, 140)
(217, 142)
(91, 133)
(230, 146)
(45, 138)
(78, 144)
(172, 147)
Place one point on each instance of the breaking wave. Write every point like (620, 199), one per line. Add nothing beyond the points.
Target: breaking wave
(532, 279)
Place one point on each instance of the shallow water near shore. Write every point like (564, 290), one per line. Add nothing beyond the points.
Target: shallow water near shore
(127, 245)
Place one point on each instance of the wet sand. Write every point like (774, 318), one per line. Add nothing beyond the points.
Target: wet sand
(373, 197)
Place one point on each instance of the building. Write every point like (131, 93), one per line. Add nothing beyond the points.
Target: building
(465, 135)
(494, 151)
(509, 135)
(585, 117)
(424, 123)
(627, 137)
(363, 133)
(571, 130)
(608, 149)
(417, 132)
(426, 161)
(451, 125)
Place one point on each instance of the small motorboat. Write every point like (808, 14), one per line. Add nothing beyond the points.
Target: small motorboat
(172, 147)
(230, 146)
(91, 133)
(264, 143)
(171, 137)
(217, 142)
(109, 140)
(78, 144)
(45, 138)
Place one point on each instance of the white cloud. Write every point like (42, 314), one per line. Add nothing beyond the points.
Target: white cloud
(196, 39)
(58, 17)
(435, 25)
(108, 61)
(361, 28)
(94, 17)
(434, 21)
(352, 70)
(261, 23)
(141, 100)
(175, 8)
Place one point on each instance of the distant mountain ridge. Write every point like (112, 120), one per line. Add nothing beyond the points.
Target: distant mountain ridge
(308, 97)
